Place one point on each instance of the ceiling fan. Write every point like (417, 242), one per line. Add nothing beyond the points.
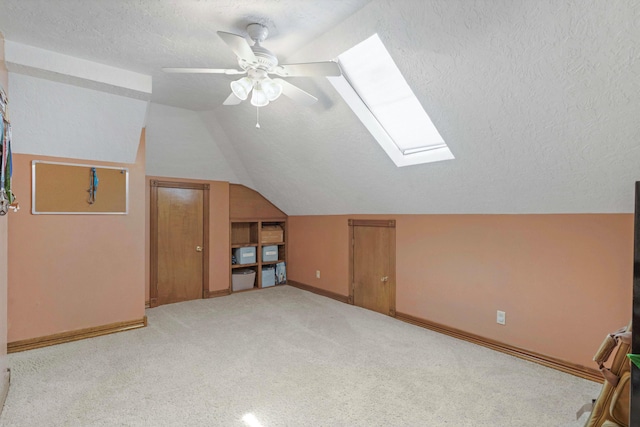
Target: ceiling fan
(258, 63)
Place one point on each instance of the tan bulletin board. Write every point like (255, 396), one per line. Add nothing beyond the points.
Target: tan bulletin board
(63, 188)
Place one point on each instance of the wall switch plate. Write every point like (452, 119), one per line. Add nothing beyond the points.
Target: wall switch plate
(501, 317)
(317, 274)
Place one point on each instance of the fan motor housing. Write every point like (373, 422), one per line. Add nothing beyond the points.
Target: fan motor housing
(266, 59)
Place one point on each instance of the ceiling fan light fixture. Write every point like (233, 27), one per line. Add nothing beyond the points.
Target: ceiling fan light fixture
(259, 97)
(271, 88)
(242, 87)
(258, 63)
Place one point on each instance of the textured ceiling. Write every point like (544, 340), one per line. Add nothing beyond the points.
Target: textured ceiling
(146, 35)
(538, 100)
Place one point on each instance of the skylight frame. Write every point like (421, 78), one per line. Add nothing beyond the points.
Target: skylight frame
(431, 152)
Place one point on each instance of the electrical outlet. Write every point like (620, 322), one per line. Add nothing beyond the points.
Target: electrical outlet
(317, 274)
(501, 317)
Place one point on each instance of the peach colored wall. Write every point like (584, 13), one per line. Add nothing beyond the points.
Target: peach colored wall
(4, 230)
(219, 255)
(319, 243)
(564, 281)
(71, 272)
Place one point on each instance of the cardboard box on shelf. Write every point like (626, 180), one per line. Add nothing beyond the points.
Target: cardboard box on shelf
(272, 234)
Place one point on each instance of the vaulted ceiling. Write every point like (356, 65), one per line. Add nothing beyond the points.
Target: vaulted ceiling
(538, 101)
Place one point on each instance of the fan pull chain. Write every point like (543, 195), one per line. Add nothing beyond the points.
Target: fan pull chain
(258, 117)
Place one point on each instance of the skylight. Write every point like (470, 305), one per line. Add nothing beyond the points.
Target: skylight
(373, 86)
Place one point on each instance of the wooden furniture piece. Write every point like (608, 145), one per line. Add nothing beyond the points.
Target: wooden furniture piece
(251, 216)
(249, 233)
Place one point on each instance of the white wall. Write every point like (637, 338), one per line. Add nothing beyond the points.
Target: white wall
(179, 144)
(57, 119)
(53, 63)
(227, 146)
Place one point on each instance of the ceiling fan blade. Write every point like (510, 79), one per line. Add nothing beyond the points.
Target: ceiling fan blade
(204, 71)
(232, 100)
(327, 68)
(296, 94)
(239, 46)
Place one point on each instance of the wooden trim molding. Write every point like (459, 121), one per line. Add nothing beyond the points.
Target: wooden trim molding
(548, 361)
(153, 244)
(324, 293)
(218, 293)
(267, 220)
(79, 334)
(351, 244)
(205, 242)
(176, 184)
(373, 223)
(392, 269)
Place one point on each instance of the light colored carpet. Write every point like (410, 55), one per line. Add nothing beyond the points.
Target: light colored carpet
(288, 358)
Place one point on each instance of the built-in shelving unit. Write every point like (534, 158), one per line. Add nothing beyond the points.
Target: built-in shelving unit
(258, 233)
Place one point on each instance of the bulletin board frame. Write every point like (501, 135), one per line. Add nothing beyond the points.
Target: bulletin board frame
(105, 189)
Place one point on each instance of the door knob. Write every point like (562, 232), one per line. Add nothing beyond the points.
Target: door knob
(198, 248)
(384, 279)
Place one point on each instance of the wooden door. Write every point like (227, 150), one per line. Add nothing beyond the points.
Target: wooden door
(179, 242)
(372, 264)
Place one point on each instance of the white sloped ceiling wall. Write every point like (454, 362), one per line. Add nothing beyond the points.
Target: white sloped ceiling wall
(180, 144)
(537, 100)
